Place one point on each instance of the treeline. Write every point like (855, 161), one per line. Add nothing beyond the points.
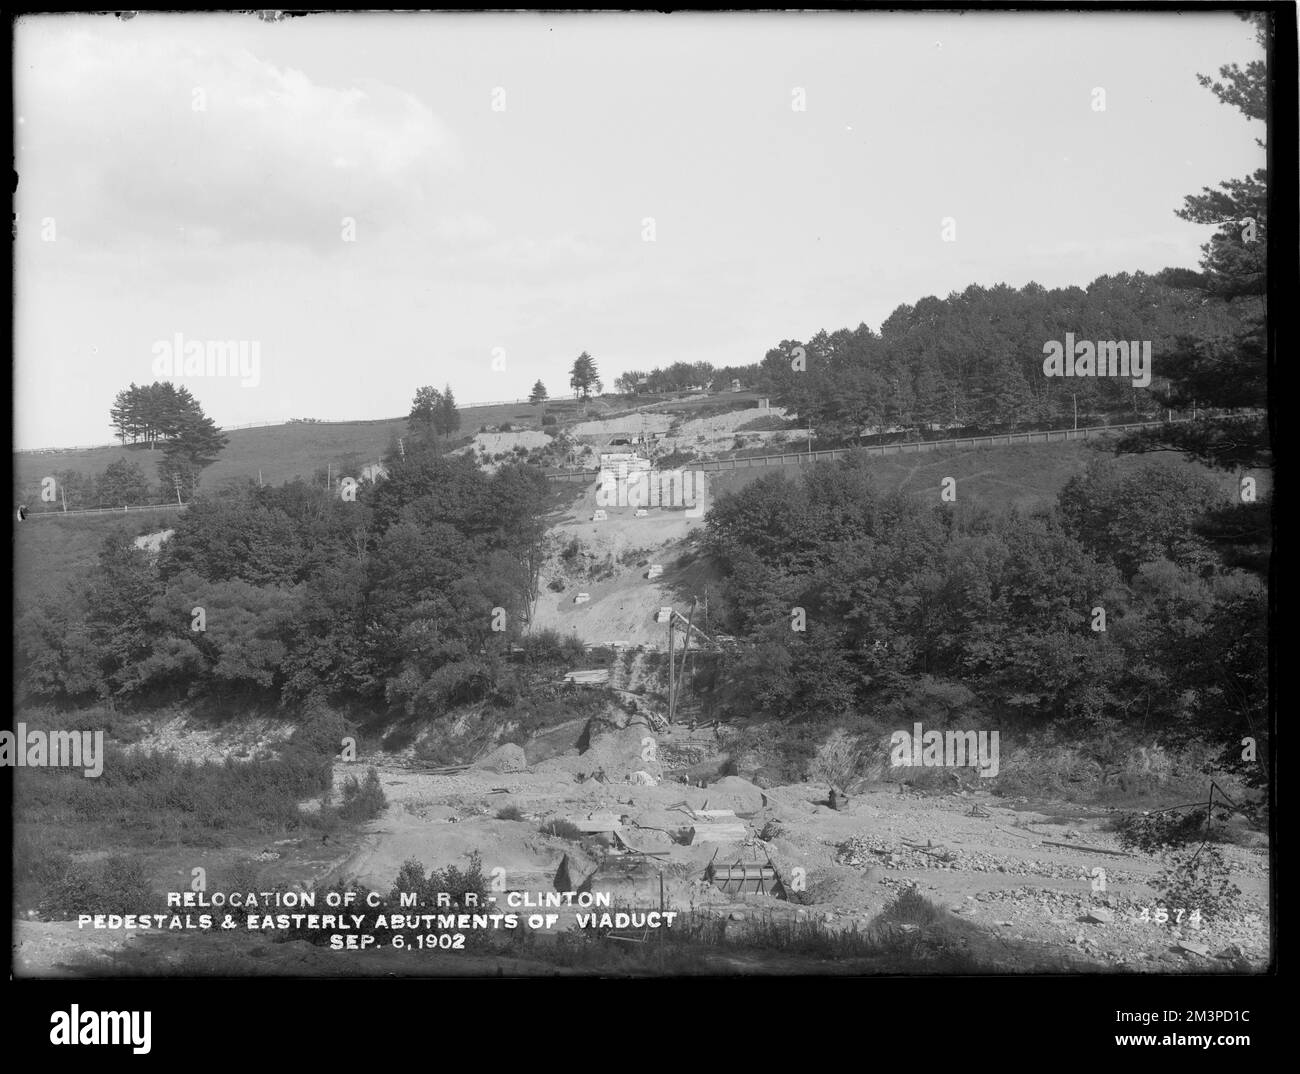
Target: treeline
(122, 483)
(406, 599)
(975, 359)
(681, 376)
(859, 600)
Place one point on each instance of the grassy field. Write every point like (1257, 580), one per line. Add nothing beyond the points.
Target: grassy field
(49, 552)
(1025, 476)
(283, 452)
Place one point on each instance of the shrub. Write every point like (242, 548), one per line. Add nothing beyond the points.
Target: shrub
(561, 829)
(322, 731)
(363, 800)
(116, 885)
(505, 427)
(836, 759)
(1197, 880)
(510, 812)
(676, 458)
(548, 419)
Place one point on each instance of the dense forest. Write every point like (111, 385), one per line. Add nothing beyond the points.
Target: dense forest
(1121, 609)
(405, 598)
(975, 359)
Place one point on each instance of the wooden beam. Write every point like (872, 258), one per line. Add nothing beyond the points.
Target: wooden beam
(718, 833)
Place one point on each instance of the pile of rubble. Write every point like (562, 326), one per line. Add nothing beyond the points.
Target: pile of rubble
(865, 850)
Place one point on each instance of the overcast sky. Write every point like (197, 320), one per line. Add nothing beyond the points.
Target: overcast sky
(198, 173)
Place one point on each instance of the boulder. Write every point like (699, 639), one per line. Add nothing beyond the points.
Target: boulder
(575, 871)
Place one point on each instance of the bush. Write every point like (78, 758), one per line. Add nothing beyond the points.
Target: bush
(116, 885)
(510, 812)
(548, 419)
(561, 829)
(322, 731)
(363, 800)
(836, 759)
(1197, 880)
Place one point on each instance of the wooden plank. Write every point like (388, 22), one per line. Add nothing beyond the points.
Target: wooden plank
(718, 833)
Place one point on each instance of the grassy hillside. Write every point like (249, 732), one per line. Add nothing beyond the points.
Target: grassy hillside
(283, 452)
(1026, 476)
(1023, 475)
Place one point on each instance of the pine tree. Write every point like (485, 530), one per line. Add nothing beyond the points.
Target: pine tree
(1229, 371)
(446, 418)
(583, 377)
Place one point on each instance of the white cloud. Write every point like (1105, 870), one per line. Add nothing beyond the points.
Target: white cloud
(129, 136)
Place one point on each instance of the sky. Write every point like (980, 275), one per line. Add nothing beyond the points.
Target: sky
(379, 202)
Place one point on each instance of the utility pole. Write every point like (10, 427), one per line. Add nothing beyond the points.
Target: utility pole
(672, 667)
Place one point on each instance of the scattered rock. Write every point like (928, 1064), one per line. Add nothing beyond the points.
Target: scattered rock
(1097, 916)
(505, 758)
